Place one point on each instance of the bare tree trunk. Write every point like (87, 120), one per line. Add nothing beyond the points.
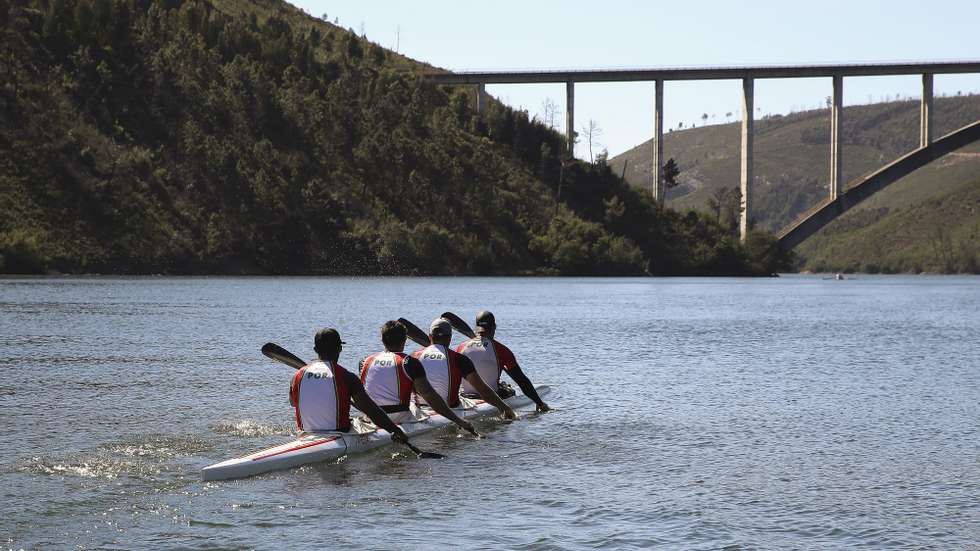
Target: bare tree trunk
(592, 133)
(561, 180)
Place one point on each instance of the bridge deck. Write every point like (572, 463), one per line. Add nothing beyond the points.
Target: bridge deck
(703, 73)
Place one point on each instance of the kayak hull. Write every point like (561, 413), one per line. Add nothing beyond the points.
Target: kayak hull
(323, 446)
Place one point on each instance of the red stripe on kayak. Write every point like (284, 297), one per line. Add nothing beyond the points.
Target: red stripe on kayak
(301, 446)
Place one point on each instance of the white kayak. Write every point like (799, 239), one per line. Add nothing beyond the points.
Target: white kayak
(314, 447)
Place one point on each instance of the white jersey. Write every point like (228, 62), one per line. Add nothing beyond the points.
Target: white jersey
(385, 379)
(321, 403)
(485, 355)
(435, 360)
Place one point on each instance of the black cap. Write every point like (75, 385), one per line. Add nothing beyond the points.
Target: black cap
(327, 339)
(485, 319)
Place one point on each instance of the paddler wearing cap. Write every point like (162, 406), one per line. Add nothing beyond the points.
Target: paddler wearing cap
(322, 392)
(389, 377)
(491, 357)
(446, 369)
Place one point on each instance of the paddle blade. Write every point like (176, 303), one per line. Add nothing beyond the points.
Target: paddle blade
(431, 455)
(417, 335)
(422, 454)
(280, 354)
(458, 324)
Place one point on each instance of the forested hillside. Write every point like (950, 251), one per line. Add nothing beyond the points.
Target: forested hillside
(142, 136)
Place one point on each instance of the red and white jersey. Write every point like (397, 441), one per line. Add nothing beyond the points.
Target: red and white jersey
(321, 397)
(385, 379)
(489, 358)
(442, 371)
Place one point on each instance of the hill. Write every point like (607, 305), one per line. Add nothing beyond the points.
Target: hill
(791, 154)
(792, 170)
(927, 222)
(160, 136)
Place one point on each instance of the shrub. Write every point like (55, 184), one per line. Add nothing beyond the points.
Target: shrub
(21, 252)
(573, 246)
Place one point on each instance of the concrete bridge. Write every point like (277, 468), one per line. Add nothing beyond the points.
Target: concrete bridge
(840, 197)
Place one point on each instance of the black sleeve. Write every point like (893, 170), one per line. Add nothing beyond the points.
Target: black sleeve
(526, 386)
(465, 365)
(354, 385)
(414, 369)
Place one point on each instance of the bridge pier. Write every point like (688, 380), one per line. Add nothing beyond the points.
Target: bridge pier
(925, 112)
(748, 109)
(836, 107)
(481, 98)
(659, 191)
(570, 117)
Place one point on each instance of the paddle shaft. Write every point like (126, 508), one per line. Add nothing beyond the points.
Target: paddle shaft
(458, 324)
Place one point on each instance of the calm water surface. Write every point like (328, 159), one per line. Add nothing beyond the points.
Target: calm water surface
(690, 414)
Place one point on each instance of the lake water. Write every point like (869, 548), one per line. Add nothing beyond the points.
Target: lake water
(792, 412)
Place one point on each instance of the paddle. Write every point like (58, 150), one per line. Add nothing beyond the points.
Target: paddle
(423, 454)
(280, 354)
(458, 324)
(417, 335)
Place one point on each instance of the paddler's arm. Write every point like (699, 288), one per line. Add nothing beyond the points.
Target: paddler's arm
(469, 373)
(367, 406)
(424, 389)
(522, 381)
(432, 398)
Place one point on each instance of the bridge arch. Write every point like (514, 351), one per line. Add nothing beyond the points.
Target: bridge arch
(860, 189)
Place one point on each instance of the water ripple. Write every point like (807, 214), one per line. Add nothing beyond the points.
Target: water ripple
(142, 457)
(250, 428)
(691, 414)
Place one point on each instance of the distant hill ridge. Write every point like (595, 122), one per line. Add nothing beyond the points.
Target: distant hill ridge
(792, 153)
(791, 174)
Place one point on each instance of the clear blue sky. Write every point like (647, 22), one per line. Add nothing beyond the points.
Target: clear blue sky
(533, 34)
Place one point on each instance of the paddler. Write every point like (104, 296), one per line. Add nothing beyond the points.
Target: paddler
(322, 392)
(446, 369)
(491, 357)
(390, 376)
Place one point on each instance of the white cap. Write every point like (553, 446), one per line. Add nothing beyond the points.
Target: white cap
(440, 326)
